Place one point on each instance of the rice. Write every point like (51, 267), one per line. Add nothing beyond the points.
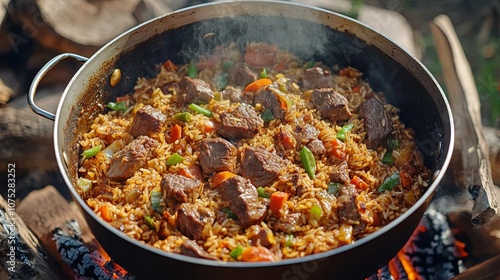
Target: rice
(129, 202)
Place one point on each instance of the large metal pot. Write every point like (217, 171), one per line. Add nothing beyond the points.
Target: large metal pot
(308, 32)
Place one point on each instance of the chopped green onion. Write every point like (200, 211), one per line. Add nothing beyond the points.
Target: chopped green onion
(315, 213)
(117, 106)
(227, 65)
(184, 117)
(229, 213)
(262, 193)
(200, 110)
(236, 252)
(289, 240)
(91, 152)
(341, 135)
(390, 182)
(393, 144)
(309, 64)
(267, 115)
(308, 161)
(150, 222)
(387, 158)
(84, 184)
(333, 188)
(192, 71)
(174, 159)
(263, 73)
(156, 195)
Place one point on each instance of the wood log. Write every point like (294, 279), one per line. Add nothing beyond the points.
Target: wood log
(21, 254)
(78, 26)
(464, 102)
(45, 210)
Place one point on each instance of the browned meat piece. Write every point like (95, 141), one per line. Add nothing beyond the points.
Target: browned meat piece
(192, 219)
(331, 104)
(260, 166)
(260, 236)
(340, 173)
(241, 75)
(305, 134)
(272, 99)
(132, 157)
(217, 154)
(192, 249)
(347, 209)
(147, 120)
(235, 94)
(288, 223)
(315, 78)
(378, 124)
(317, 147)
(181, 188)
(243, 200)
(242, 122)
(193, 90)
(260, 55)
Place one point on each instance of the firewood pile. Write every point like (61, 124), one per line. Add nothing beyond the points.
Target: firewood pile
(31, 33)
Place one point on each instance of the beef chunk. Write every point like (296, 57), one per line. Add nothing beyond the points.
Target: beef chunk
(192, 249)
(181, 188)
(315, 78)
(235, 94)
(241, 75)
(316, 147)
(331, 104)
(347, 209)
(242, 122)
(288, 223)
(217, 154)
(192, 219)
(260, 166)
(272, 99)
(378, 124)
(193, 90)
(243, 200)
(340, 173)
(305, 134)
(147, 120)
(132, 157)
(260, 236)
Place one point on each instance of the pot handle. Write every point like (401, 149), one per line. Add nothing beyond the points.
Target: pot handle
(46, 68)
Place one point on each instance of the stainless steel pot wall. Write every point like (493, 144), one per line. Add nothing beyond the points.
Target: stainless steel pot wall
(308, 32)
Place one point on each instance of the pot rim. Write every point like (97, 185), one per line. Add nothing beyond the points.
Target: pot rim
(437, 177)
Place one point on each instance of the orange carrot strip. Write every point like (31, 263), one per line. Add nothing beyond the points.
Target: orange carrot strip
(176, 133)
(257, 85)
(277, 201)
(338, 148)
(209, 126)
(106, 213)
(359, 183)
(220, 177)
(257, 254)
(170, 66)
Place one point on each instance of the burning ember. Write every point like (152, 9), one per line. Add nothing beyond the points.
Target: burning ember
(431, 253)
(84, 263)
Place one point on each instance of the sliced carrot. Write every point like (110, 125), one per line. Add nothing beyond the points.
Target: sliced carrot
(106, 213)
(258, 84)
(283, 102)
(220, 177)
(406, 180)
(176, 133)
(123, 98)
(355, 89)
(359, 183)
(338, 148)
(170, 66)
(257, 254)
(209, 126)
(192, 171)
(277, 201)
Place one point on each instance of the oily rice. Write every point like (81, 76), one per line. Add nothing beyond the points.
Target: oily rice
(127, 205)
